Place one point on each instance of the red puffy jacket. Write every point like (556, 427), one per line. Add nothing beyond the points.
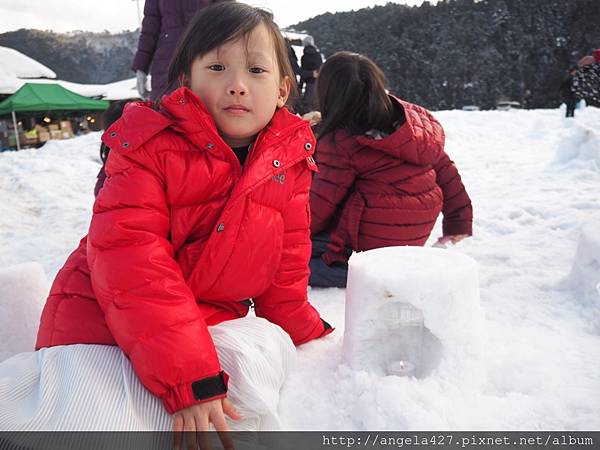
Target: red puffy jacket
(372, 193)
(180, 238)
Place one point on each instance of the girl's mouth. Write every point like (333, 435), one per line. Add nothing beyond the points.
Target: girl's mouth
(237, 109)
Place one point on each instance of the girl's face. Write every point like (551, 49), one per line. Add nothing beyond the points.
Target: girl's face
(239, 83)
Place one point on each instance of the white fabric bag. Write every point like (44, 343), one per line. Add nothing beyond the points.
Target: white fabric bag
(94, 388)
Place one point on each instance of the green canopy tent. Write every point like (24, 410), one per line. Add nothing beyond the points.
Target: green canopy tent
(33, 97)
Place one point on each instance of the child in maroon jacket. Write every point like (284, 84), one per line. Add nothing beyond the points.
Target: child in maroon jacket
(383, 174)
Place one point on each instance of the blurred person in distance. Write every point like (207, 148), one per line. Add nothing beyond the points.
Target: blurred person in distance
(586, 79)
(310, 64)
(566, 92)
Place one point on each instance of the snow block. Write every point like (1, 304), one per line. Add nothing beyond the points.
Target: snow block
(411, 311)
(23, 290)
(580, 147)
(585, 273)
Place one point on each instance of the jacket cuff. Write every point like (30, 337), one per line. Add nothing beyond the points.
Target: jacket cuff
(188, 394)
(331, 257)
(455, 228)
(141, 62)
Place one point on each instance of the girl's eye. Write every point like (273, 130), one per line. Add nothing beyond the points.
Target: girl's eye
(257, 70)
(217, 67)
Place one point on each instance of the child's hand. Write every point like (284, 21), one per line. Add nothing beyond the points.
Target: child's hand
(444, 241)
(457, 238)
(197, 418)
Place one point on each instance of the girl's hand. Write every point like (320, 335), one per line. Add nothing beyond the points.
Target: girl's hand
(197, 418)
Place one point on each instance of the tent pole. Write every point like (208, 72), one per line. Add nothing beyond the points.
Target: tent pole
(14, 116)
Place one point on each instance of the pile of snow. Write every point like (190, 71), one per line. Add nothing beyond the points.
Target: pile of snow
(585, 273)
(46, 198)
(23, 288)
(541, 366)
(579, 146)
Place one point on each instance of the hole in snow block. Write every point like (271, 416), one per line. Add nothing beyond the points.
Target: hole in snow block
(23, 290)
(413, 311)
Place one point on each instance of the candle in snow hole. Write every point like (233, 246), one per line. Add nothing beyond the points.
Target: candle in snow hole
(401, 368)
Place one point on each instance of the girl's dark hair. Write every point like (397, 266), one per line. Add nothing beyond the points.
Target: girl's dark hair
(352, 95)
(218, 24)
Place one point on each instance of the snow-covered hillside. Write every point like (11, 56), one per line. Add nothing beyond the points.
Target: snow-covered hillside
(534, 178)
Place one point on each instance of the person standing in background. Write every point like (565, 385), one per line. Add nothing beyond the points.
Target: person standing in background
(164, 22)
(566, 92)
(310, 64)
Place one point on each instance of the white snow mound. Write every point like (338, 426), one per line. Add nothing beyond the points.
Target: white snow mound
(442, 284)
(585, 273)
(580, 146)
(23, 290)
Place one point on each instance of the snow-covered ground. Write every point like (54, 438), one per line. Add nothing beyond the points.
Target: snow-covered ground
(534, 178)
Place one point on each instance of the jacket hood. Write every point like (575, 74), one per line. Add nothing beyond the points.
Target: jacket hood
(308, 40)
(419, 140)
(138, 123)
(310, 50)
(183, 112)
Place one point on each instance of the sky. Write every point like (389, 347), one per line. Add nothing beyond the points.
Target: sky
(118, 15)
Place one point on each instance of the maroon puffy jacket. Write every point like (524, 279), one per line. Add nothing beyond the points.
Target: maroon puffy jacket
(180, 237)
(372, 193)
(163, 25)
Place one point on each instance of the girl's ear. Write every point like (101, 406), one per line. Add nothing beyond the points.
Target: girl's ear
(284, 91)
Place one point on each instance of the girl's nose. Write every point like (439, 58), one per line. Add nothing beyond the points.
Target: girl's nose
(237, 86)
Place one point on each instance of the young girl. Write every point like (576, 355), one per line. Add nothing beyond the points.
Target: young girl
(383, 174)
(204, 213)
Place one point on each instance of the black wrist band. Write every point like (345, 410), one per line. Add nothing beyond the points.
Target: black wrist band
(209, 387)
